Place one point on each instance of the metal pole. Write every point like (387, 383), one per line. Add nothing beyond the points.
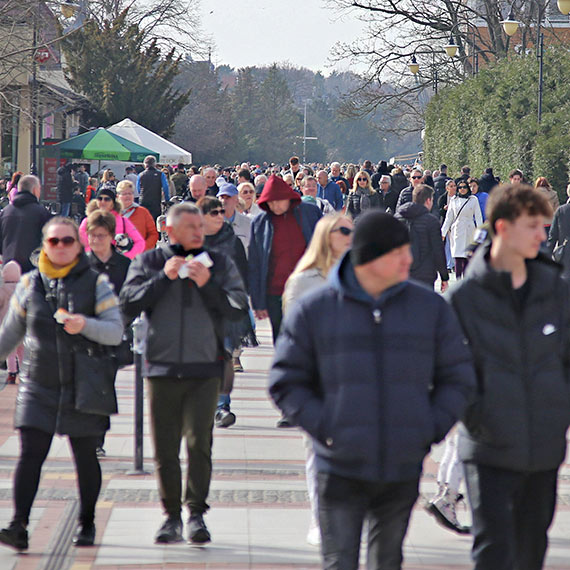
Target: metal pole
(33, 114)
(139, 340)
(540, 72)
(305, 135)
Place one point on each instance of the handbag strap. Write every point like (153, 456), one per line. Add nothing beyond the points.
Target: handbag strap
(457, 215)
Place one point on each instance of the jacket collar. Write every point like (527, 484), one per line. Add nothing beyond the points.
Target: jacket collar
(542, 274)
(343, 279)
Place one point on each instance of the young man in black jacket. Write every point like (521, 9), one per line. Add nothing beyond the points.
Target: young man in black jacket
(186, 300)
(513, 306)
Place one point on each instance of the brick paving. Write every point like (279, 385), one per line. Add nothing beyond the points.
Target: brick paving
(260, 512)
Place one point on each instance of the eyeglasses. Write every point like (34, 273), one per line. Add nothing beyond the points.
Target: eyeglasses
(104, 199)
(416, 177)
(343, 230)
(99, 236)
(362, 179)
(463, 187)
(247, 192)
(221, 212)
(66, 241)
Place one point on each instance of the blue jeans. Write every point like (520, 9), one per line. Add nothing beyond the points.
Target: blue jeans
(65, 209)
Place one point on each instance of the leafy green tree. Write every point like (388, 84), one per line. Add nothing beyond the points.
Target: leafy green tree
(124, 76)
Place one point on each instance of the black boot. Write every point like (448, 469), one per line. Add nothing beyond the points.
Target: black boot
(15, 536)
(198, 532)
(170, 531)
(85, 535)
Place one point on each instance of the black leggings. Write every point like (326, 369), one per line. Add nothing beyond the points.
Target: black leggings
(460, 266)
(35, 446)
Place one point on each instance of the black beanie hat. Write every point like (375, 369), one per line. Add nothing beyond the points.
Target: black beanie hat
(375, 234)
(106, 192)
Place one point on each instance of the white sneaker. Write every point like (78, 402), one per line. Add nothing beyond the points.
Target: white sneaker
(314, 536)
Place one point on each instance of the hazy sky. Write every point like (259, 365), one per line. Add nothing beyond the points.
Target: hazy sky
(261, 32)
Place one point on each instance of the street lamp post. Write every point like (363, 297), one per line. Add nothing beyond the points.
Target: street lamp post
(414, 66)
(451, 48)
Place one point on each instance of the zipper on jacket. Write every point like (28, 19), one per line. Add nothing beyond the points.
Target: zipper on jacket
(525, 377)
(377, 314)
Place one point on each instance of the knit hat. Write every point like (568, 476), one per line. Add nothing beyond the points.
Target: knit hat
(375, 234)
(106, 191)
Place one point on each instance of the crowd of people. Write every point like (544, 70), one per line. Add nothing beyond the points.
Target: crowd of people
(343, 261)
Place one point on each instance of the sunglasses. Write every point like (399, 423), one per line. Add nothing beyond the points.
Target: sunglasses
(463, 187)
(66, 241)
(221, 212)
(343, 230)
(104, 199)
(362, 179)
(247, 192)
(416, 177)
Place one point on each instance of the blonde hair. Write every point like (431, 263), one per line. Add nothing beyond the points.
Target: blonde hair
(319, 254)
(350, 171)
(124, 184)
(107, 175)
(355, 185)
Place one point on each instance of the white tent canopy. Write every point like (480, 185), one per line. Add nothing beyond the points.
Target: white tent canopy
(169, 152)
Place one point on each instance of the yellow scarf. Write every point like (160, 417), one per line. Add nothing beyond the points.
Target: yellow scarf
(46, 267)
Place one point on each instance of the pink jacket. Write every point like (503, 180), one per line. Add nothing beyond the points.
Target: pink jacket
(124, 226)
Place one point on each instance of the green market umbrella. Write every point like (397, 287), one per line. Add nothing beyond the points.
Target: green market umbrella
(99, 144)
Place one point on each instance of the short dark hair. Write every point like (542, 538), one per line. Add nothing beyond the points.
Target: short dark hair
(515, 172)
(294, 160)
(443, 166)
(421, 194)
(207, 203)
(100, 219)
(510, 201)
(245, 173)
(465, 170)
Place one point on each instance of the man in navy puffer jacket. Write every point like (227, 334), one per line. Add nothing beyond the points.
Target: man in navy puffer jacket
(375, 369)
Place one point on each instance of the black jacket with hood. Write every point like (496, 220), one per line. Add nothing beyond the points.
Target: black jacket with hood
(521, 412)
(427, 247)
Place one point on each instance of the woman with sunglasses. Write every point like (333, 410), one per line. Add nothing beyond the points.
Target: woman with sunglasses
(107, 202)
(220, 237)
(247, 192)
(54, 309)
(362, 196)
(331, 239)
(462, 217)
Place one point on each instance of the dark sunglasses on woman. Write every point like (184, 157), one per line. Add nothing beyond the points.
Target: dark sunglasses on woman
(105, 198)
(343, 230)
(66, 241)
(221, 212)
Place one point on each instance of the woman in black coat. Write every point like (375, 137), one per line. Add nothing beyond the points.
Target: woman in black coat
(220, 237)
(57, 309)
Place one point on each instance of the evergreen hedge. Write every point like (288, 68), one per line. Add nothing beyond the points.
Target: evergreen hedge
(491, 120)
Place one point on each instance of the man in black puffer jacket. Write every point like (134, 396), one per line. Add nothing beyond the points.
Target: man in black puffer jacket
(21, 224)
(425, 236)
(375, 368)
(514, 309)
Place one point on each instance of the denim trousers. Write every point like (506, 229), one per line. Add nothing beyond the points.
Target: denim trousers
(512, 512)
(345, 503)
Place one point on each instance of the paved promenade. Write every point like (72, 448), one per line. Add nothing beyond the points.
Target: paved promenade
(260, 513)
